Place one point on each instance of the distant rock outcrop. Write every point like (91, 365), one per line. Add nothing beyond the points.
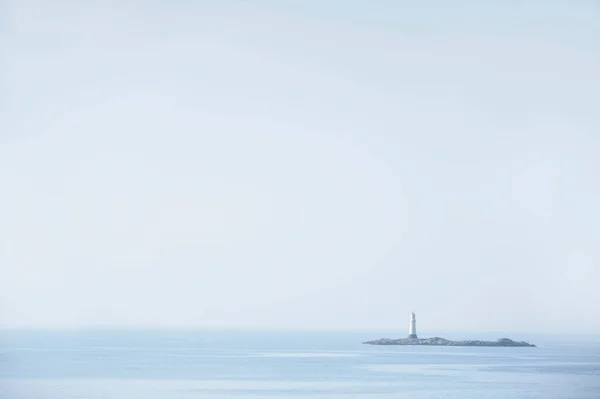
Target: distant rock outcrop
(437, 341)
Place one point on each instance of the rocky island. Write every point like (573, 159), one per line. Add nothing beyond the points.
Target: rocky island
(412, 339)
(503, 342)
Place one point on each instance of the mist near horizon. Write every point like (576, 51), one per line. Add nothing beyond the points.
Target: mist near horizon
(301, 165)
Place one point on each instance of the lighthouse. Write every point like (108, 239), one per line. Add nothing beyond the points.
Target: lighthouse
(412, 329)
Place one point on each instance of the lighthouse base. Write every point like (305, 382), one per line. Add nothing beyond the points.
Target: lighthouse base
(412, 336)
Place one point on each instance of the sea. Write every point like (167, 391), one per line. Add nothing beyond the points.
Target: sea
(168, 364)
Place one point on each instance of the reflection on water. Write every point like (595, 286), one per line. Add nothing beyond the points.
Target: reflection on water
(156, 365)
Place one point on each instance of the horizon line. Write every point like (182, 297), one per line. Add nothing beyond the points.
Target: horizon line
(399, 331)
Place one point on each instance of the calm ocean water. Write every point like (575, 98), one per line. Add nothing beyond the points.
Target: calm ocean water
(219, 365)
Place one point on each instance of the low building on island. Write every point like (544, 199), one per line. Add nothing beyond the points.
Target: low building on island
(412, 339)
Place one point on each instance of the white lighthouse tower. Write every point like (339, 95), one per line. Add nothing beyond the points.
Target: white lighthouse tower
(412, 329)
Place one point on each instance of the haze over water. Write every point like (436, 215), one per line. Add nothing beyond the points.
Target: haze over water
(298, 165)
(301, 165)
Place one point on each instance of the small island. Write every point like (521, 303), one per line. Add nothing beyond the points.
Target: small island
(503, 342)
(412, 339)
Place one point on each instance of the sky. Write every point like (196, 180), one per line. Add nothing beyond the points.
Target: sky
(300, 164)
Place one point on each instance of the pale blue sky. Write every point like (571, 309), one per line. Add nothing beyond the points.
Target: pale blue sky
(301, 164)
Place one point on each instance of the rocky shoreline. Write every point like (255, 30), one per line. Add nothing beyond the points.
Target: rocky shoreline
(437, 341)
